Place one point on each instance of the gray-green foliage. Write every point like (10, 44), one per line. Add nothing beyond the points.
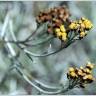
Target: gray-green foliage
(51, 69)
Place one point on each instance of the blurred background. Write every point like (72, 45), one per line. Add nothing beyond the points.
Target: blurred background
(52, 69)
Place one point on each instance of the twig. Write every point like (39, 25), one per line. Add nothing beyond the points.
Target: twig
(13, 53)
(25, 42)
(3, 34)
(46, 86)
(5, 25)
(38, 88)
(48, 54)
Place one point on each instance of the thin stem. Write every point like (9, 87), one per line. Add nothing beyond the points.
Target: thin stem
(14, 41)
(41, 55)
(46, 86)
(38, 88)
(37, 81)
(28, 38)
(54, 52)
(41, 42)
(5, 25)
(12, 51)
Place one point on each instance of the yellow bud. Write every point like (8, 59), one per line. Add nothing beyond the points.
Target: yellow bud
(80, 22)
(80, 73)
(76, 26)
(73, 74)
(64, 36)
(82, 34)
(57, 30)
(72, 25)
(81, 29)
(83, 18)
(71, 69)
(62, 28)
(81, 68)
(88, 24)
(59, 34)
(90, 77)
(87, 70)
(85, 77)
(90, 65)
(82, 25)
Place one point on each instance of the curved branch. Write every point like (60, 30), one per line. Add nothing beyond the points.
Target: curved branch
(54, 52)
(38, 88)
(45, 86)
(14, 41)
(5, 25)
(41, 42)
(32, 34)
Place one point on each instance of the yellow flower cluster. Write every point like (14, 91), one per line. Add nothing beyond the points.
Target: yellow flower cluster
(61, 33)
(66, 31)
(74, 25)
(84, 75)
(83, 25)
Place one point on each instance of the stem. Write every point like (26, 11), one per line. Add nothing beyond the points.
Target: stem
(46, 86)
(28, 38)
(38, 88)
(12, 51)
(43, 55)
(24, 42)
(5, 25)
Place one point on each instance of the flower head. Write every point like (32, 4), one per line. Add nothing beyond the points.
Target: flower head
(61, 33)
(61, 26)
(81, 75)
(81, 26)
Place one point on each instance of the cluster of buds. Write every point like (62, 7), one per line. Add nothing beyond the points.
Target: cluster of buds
(56, 17)
(81, 26)
(60, 25)
(61, 33)
(81, 75)
(57, 13)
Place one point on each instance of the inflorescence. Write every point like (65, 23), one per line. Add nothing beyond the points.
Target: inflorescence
(61, 14)
(60, 25)
(81, 76)
(81, 26)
